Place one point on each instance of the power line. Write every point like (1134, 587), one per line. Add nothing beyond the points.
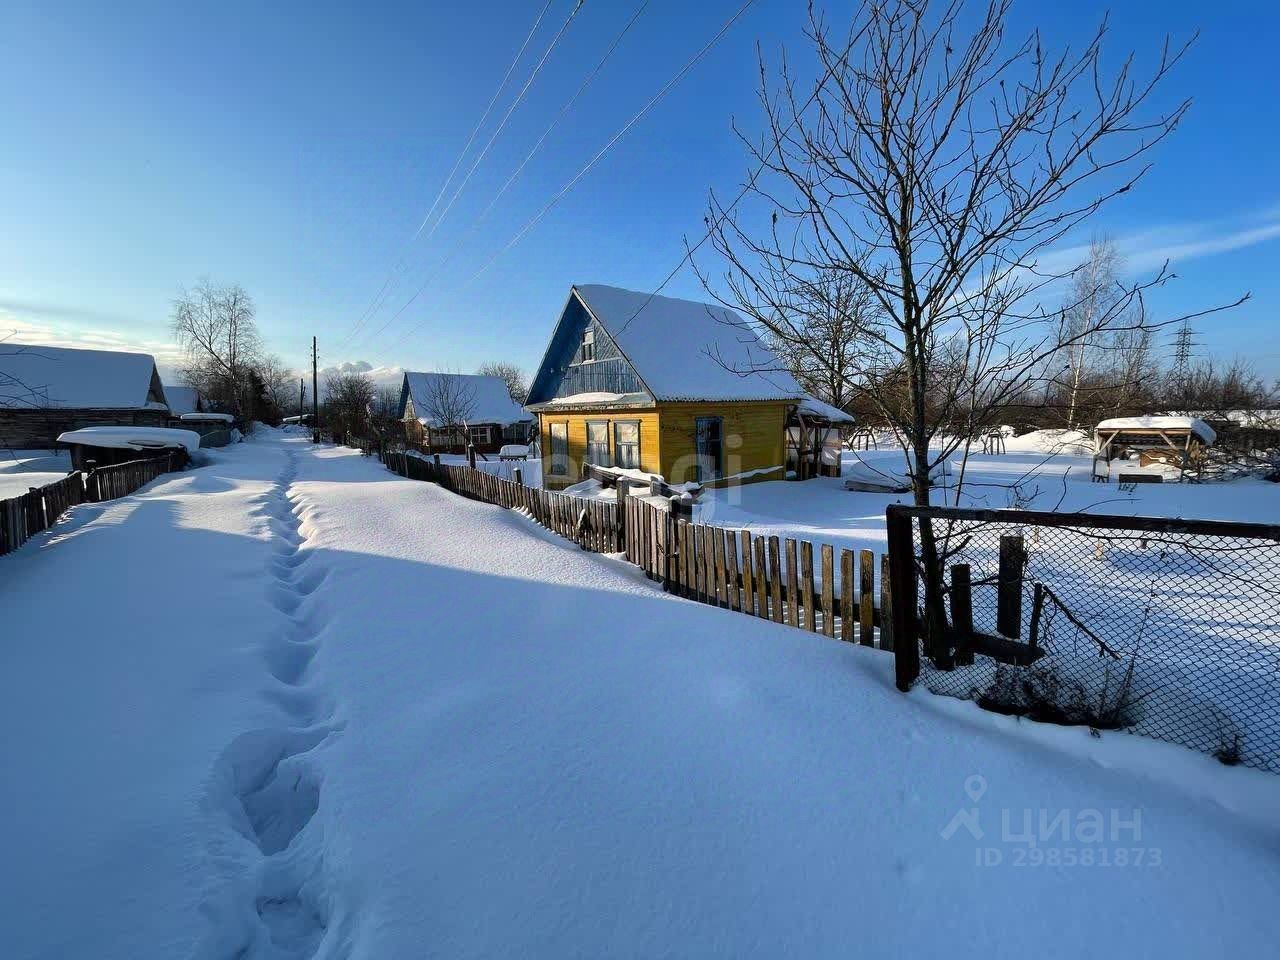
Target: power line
(614, 139)
(375, 304)
(510, 110)
(746, 188)
(599, 154)
(475, 225)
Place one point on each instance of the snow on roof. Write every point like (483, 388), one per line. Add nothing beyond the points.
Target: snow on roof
(490, 401)
(599, 396)
(181, 399)
(1196, 426)
(69, 378)
(818, 408)
(681, 348)
(197, 417)
(133, 438)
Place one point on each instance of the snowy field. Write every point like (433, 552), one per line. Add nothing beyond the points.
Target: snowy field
(292, 705)
(1035, 473)
(20, 470)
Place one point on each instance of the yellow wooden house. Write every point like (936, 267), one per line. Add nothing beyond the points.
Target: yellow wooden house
(676, 388)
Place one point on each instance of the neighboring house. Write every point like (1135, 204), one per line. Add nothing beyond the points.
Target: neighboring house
(447, 412)
(46, 391)
(184, 400)
(675, 388)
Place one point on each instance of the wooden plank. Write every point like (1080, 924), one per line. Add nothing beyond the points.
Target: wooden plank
(762, 597)
(722, 587)
(902, 567)
(748, 575)
(731, 570)
(846, 596)
(686, 559)
(866, 598)
(775, 580)
(793, 587)
(828, 591)
(886, 604)
(810, 614)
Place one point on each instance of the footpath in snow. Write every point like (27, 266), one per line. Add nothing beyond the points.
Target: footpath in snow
(292, 705)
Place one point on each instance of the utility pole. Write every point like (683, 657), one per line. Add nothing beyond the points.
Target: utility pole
(302, 397)
(315, 396)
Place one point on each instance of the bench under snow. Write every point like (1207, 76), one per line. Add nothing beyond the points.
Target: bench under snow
(883, 478)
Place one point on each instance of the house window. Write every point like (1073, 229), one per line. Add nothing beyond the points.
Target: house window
(598, 442)
(588, 345)
(559, 450)
(626, 444)
(480, 436)
(709, 447)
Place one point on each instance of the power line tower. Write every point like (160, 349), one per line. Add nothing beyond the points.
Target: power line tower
(1184, 347)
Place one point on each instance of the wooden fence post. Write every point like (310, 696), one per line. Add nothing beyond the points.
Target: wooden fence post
(828, 590)
(867, 597)
(1009, 586)
(775, 582)
(762, 598)
(902, 571)
(793, 584)
(847, 618)
(886, 605)
(962, 612)
(806, 586)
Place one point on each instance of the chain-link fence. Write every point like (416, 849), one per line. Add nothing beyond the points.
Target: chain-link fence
(1162, 627)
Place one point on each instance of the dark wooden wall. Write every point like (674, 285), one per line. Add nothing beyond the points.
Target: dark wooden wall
(38, 429)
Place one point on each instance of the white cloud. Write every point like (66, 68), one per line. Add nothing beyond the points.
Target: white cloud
(1148, 250)
(383, 377)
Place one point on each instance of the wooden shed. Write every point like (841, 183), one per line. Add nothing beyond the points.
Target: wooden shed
(1155, 441)
(47, 391)
(101, 446)
(674, 388)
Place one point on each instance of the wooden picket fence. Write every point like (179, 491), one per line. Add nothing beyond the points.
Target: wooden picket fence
(22, 517)
(763, 576)
(592, 524)
(121, 479)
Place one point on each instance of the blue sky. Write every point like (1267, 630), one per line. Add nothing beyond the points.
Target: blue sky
(294, 148)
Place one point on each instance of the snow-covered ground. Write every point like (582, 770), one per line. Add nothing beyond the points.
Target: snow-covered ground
(1036, 472)
(20, 470)
(292, 705)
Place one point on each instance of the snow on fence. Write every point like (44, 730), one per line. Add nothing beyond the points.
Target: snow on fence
(21, 518)
(1166, 628)
(768, 577)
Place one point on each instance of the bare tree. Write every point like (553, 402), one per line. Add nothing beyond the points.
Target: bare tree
(449, 401)
(512, 375)
(279, 382)
(936, 163)
(821, 334)
(14, 390)
(216, 328)
(349, 400)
